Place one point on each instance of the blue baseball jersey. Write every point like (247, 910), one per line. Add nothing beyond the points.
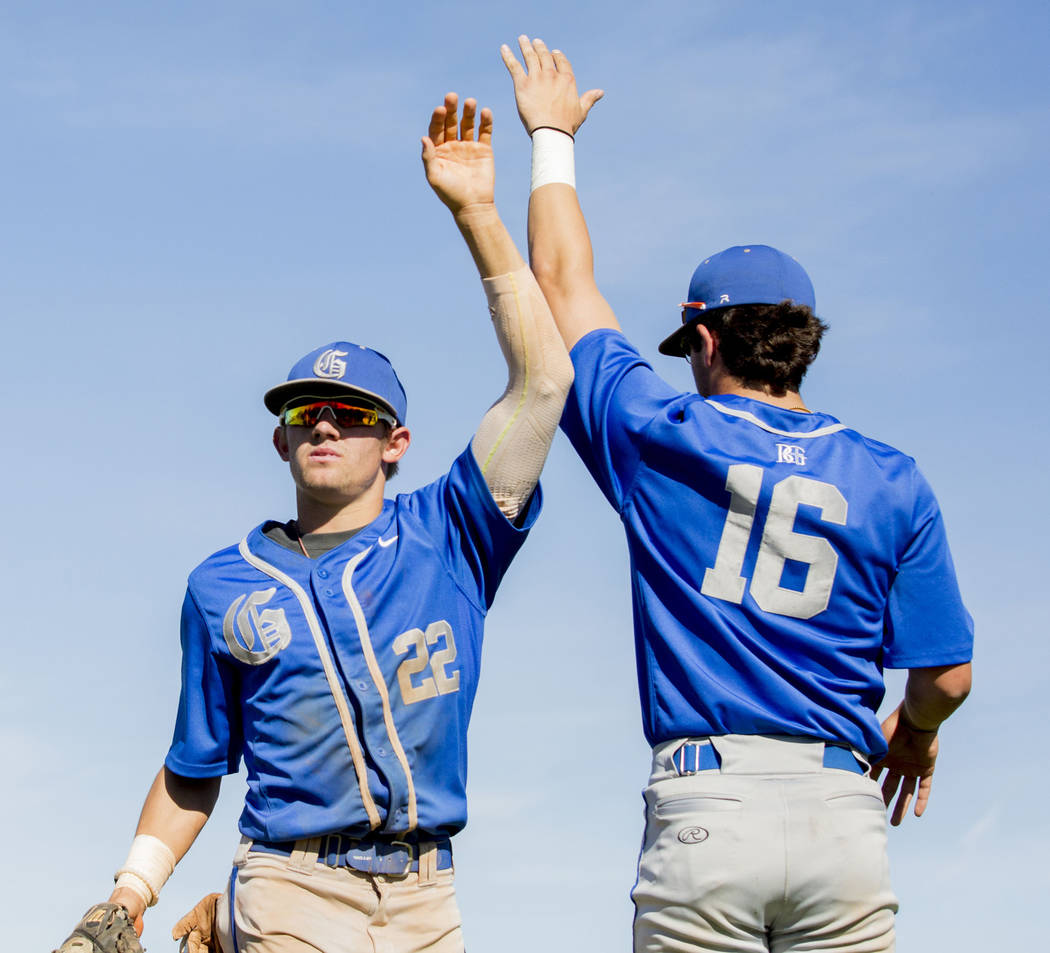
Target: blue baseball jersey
(778, 559)
(346, 682)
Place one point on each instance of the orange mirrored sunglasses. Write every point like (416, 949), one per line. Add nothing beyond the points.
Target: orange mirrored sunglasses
(345, 415)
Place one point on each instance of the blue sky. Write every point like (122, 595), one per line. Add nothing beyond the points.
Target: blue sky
(195, 195)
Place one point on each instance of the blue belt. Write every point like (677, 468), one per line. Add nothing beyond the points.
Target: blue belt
(395, 857)
(692, 758)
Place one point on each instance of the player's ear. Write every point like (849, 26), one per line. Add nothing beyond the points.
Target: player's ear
(397, 442)
(706, 343)
(280, 442)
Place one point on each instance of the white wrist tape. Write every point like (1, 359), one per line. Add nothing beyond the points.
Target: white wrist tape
(553, 158)
(149, 865)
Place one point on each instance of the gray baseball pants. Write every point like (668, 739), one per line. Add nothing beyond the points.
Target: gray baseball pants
(771, 851)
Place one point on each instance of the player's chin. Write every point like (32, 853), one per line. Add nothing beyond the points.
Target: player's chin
(331, 492)
(322, 471)
(326, 485)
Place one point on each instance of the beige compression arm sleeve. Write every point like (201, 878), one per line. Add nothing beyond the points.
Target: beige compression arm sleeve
(515, 434)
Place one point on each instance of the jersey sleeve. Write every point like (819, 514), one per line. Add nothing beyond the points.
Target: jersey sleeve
(208, 738)
(614, 397)
(478, 539)
(926, 621)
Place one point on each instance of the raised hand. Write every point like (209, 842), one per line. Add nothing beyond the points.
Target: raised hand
(546, 94)
(459, 167)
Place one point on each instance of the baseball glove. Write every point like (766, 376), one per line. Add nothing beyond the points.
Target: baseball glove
(197, 928)
(105, 928)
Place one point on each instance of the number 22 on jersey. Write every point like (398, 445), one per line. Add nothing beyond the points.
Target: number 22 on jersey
(779, 543)
(441, 681)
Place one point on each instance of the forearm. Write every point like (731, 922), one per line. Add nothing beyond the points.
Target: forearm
(562, 259)
(560, 249)
(490, 244)
(932, 694)
(175, 810)
(514, 436)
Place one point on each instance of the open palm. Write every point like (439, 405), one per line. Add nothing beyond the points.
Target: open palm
(459, 167)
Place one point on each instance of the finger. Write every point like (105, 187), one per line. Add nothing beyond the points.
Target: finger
(428, 148)
(511, 62)
(546, 60)
(485, 129)
(889, 787)
(528, 54)
(451, 105)
(466, 126)
(561, 62)
(923, 796)
(436, 131)
(900, 809)
(589, 98)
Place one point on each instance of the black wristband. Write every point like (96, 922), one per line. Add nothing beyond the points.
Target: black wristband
(555, 128)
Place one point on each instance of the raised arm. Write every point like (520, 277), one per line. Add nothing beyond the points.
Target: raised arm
(559, 244)
(515, 434)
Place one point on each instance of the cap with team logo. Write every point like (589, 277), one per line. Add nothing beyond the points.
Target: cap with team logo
(342, 368)
(743, 274)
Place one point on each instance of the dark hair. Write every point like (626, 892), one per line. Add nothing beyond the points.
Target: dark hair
(767, 347)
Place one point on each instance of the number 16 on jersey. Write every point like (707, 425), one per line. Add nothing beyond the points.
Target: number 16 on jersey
(780, 542)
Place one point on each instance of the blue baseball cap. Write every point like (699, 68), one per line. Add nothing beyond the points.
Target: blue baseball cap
(342, 368)
(743, 274)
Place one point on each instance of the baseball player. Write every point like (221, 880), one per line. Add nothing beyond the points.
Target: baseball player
(779, 560)
(337, 653)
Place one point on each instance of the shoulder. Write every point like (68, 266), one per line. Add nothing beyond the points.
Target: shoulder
(612, 375)
(893, 464)
(891, 479)
(461, 500)
(463, 475)
(220, 562)
(604, 344)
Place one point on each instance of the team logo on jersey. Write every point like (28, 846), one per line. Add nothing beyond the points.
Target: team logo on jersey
(245, 624)
(788, 453)
(692, 835)
(330, 364)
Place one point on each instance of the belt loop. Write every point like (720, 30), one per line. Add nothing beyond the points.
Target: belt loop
(241, 854)
(428, 862)
(330, 849)
(304, 855)
(692, 757)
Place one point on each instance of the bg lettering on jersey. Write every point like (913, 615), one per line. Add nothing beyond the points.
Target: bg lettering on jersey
(789, 453)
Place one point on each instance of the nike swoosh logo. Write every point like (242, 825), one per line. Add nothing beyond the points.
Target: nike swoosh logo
(387, 542)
